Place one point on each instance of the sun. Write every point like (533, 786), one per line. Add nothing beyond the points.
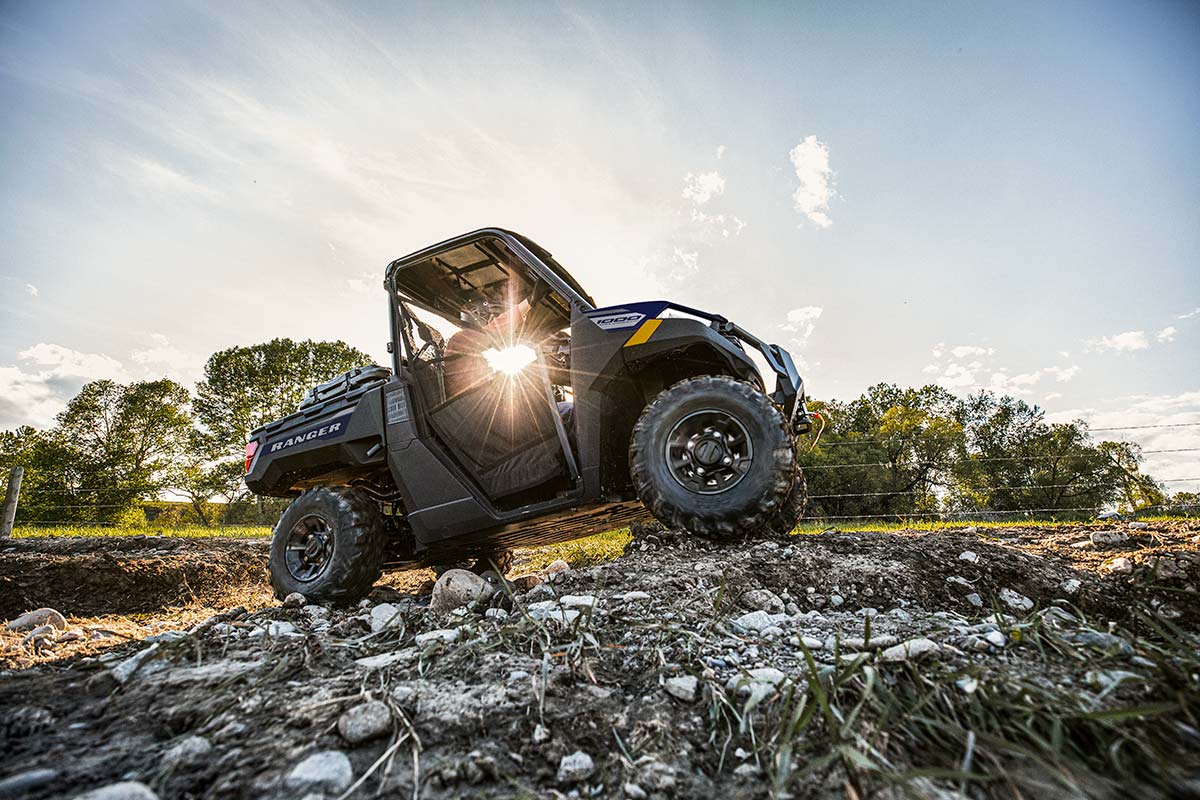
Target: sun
(510, 360)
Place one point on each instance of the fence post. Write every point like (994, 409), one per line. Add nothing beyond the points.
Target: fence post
(10, 502)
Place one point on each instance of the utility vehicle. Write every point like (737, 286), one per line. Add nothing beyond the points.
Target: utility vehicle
(402, 467)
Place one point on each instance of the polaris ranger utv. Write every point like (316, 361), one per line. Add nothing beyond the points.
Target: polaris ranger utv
(407, 466)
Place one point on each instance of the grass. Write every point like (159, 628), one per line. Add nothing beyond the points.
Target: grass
(184, 531)
(878, 526)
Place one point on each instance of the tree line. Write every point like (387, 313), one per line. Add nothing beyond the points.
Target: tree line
(116, 449)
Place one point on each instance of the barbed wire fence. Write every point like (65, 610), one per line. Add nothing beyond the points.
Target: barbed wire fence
(164, 497)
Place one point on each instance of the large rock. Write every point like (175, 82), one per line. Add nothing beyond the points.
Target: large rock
(1109, 538)
(125, 790)
(36, 619)
(365, 722)
(328, 770)
(682, 687)
(457, 588)
(22, 782)
(383, 615)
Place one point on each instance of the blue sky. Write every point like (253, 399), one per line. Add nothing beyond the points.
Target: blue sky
(981, 195)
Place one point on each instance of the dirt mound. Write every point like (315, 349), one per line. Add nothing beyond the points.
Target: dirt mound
(124, 575)
(964, 664)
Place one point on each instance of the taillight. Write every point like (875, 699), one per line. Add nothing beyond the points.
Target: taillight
(251, 449)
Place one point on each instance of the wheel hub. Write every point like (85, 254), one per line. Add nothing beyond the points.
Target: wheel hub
(709, 451)
(309, 548)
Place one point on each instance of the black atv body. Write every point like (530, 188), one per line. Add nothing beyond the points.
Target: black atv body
(670, 414)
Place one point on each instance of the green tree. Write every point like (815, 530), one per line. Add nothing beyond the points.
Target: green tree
(113, 445)
(246, 387)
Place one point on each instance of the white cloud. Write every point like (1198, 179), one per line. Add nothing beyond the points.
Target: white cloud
(1062, 374)
(1122, 342)
(1053, 396)
(962, 351)
(930, 369)
(810, 159)
(31, 290)
(1159, 410)
(801, 322)
(727, 224)
(702, 187)
(1167, 334)
(1193, 313)
(156, 178)
(689, 260)
(721, 151)
(34, 391)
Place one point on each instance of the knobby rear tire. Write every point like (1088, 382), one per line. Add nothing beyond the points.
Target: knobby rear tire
(358, 535)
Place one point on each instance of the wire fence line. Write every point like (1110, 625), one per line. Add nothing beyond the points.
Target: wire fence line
(987, 459)
(854, 442)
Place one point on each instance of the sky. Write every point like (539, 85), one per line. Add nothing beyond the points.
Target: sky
(979, 195)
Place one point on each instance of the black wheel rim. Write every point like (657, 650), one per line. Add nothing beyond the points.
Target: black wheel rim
(309, 548)
(709, 451)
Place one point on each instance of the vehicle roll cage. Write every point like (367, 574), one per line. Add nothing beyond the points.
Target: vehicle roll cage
(789, 388)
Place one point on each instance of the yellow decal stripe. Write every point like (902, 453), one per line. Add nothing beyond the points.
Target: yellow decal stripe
(643, 334)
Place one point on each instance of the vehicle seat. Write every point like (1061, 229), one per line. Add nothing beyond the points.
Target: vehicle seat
(504, 432)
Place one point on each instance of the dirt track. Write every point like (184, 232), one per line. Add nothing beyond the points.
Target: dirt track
(495, 711)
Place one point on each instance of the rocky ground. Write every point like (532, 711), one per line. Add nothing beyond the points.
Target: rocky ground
(1021, 662)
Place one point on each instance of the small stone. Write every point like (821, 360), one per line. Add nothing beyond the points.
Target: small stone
(523, 583)
(73, 635)
(282, 629)
(557, 565)
(165, 636)
(458, 588)
(970, 556)
(314, 612)
(812, 643)
(541, 734)
(365, 722)
(968, 685)
(961, 582)
(682, 687)
(975, 600)
(126, 669)
(575, 767)
(496, 614)
(913, 648)
(405, 695)
(756, 680)
(995, 638)
(1070, 585)
(328, 770)
(1139, 526)
(385, 659)
(836, 600)
(295, 600)
(125, 790)
(35, 619)
(635, 597)
(40, 637)
(772, 632)
(446, 635)
(1118, 566)
(763, 600)
(23, 782)
(577, 601)
(747, 770)
(758, 620)
(386, 614)
(634, 792)
(1108, 538)
(186, 750)
(551, 611)
(1015, 600)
